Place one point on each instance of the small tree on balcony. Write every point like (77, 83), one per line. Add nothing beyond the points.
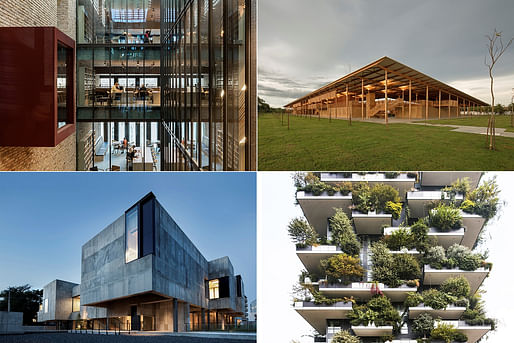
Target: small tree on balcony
(343, 268)
(456, 286)
(445, 218)
(302, 233)
(343, 234)
(423, 325)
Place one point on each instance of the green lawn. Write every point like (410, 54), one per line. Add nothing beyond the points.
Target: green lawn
(502, 121)
(310, 144)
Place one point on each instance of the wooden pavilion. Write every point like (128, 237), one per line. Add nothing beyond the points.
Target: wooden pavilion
(385, 89)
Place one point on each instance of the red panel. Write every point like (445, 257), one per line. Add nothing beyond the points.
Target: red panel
(28, 87)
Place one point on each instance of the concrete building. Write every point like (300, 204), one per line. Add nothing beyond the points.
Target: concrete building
(330, 305)
(105, 96)
(143, 273)
(386, 89)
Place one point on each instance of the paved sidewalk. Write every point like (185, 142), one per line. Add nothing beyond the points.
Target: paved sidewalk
(479, 130)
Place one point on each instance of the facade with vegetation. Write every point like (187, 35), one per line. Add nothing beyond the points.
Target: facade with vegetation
(393, 257)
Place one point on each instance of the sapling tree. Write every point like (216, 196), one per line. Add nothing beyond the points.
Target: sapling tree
(495, 50)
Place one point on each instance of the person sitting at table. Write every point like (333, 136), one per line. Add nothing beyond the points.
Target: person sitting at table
(125, 143)
(146, 37)
(131, 153)
(116, 88)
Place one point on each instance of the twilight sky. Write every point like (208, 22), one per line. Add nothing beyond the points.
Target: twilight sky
(45, 218)
(279, 267)
(306, 44)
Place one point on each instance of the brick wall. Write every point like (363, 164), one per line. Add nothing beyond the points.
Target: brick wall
(57, 13)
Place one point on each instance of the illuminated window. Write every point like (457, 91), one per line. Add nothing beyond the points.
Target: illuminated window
(46, 305)
(131, 227)
(75, 307)
(214, 289)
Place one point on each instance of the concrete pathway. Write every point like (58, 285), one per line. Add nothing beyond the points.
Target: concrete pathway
(479, 130)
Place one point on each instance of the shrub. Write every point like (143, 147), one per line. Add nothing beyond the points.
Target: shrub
(383, 261)
(401, 238)
(378, 310)
(331, 190)
(343, 267)
(381, 194)
(301, 232)
(462, 302)
(423, 325)
(485, 198)
(456, 286)
(361, 197)
(419, 232)
(447, 333)
(413, 299)
(437, 299)
(345, 336)
(344, 187)
(445, 218)
(406, 266)
(463, 258)
(459, 186)
(391, 175)
(435, 257)
(343, 234)
(393, 208)
(468, 206)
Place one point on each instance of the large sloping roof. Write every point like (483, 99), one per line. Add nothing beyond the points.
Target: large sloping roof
(398, 75)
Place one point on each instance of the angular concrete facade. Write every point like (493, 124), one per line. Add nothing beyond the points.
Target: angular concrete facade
(166, 288)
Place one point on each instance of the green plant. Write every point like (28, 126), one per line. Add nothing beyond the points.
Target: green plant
(344, 187)
(391, 175)
(435, 257)
(462, 302)
(413, 299)
(468, 206)
(406, 266)
(486, 200)
(460, 186)
(383, 262)
(381, 194)
(345, 336)
(447, 333)
(463, 258)
(361, 197)
(423, 325)
(342, 267)
(400, 238)
(421, 241)
(456, 286)
(393, 208)
(445, 218)
(437, 299)
(378, 310)
(343, 234)
(301, 232)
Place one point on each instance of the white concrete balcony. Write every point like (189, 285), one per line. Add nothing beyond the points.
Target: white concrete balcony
(474, 333)
(311, 256)
(370, 223)
(450, 312)
(317, 315)
(418, 201)
(362, 291)
(445, 239)
(317, 209)
(473, 223)
(372, 331)
(402, 182)
(441, 179)
(435, 277)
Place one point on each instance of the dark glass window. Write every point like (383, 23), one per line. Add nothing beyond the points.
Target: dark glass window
(224, 287)
(64, 85)
(147, 228)
(239, 286)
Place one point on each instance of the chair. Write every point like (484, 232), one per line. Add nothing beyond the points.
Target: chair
(115, 168)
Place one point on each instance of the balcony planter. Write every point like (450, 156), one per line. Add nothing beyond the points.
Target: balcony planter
(317, 315)
(318, 208)
(371, 223)
(372, 331)
(450, 312)
(434, 277)
(311, 256)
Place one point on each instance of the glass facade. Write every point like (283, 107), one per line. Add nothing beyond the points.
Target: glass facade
(205, 80)
(214, 289)
(168, 81)
(118, 84)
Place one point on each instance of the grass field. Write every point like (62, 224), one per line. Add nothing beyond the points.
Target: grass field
(312, 144)
(502, 121)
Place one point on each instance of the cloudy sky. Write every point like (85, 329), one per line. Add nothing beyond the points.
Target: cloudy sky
(278, 266)
(305, 44)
